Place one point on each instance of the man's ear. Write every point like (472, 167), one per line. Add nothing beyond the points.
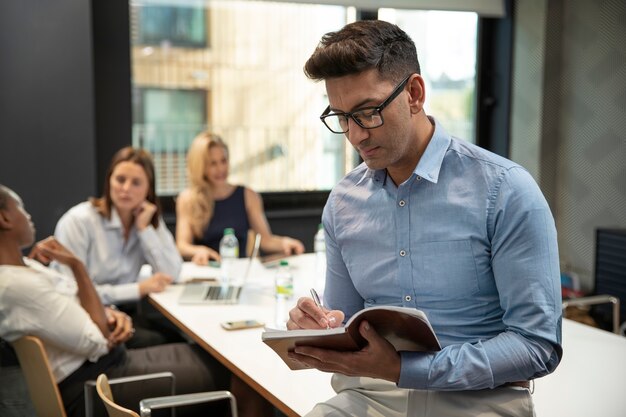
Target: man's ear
(5, 220)
(417, 93)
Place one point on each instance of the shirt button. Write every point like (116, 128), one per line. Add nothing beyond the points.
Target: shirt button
(401, 203)
(407, 298)
(403, 253)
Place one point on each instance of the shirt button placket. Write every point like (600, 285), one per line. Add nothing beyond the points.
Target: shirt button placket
(403, 242)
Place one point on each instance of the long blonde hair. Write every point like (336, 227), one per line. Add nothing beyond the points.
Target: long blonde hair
(201, 196)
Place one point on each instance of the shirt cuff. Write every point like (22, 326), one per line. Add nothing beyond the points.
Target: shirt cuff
(126, 292)
(414, 370)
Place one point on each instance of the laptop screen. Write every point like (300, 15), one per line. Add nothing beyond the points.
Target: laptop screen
(214, 292)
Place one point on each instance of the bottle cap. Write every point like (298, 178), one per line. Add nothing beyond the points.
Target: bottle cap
(229, 231)
(284, 263)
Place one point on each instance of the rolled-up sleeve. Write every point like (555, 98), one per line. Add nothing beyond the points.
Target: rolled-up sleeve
(58, 319)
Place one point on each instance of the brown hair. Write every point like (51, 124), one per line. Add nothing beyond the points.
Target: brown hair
(201, 190)
(140, 157)
(361, 46)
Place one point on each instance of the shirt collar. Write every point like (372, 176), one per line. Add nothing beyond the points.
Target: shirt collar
(377, 175)
(114, 222)
(429, 164)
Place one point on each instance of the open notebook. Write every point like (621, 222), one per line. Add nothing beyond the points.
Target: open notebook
(214, 292)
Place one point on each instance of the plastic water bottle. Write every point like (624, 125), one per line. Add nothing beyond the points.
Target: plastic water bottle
(283, 293)
(229, 251)
(319, 246)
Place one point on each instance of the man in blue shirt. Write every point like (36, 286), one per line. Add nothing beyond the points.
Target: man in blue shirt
(435, 223)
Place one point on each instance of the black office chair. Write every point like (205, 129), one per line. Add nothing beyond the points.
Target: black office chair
(610, 279)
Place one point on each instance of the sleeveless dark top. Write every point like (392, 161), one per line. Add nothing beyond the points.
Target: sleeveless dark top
(230, 212)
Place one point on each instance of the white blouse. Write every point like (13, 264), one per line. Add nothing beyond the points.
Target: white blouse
(38, 301)
(112, 262)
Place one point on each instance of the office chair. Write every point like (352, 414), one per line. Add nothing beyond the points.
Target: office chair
(595, 300)
(44, 392)
(42, 386)
(147, 405)
(43, 389)
(610, 281)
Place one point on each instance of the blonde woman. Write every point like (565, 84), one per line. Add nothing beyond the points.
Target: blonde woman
(211, 204)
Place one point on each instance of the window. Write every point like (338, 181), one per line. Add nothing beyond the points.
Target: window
(171, 26)
(446, 48)
(165, 123)
(256, 95)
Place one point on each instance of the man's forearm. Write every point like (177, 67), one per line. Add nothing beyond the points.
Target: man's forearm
(89, 298)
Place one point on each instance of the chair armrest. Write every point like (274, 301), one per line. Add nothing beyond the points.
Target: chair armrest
(597, 299)
(90, 386)
(146, 406)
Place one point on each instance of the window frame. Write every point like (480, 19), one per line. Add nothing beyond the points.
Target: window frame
(113, 101)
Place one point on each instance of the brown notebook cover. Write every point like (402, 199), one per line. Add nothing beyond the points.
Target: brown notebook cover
(407, 329)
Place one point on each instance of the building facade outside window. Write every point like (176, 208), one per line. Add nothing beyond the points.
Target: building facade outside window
(235, 67)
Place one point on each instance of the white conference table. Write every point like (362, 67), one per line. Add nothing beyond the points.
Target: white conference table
(590, 381)
(242, 351)
(591, 378)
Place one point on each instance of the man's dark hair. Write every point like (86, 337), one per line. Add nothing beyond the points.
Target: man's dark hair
(361, 46)
(4, 196)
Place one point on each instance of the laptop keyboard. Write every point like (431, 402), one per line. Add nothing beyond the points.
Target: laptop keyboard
(203, 293)
(216, 292)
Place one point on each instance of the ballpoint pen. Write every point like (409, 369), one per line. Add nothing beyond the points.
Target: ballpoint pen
(318, 302)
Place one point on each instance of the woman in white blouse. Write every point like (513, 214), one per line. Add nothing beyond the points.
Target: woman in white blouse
(116, 234)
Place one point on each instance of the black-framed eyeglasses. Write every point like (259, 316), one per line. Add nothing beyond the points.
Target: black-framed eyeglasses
(367, 117)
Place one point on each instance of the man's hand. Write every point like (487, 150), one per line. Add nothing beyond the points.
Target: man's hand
(307, 315)
(156, 283)
(49, 250)
(121, 326)
(378, 359)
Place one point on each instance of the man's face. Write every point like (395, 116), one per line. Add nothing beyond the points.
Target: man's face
(21, 225)
(382, 147)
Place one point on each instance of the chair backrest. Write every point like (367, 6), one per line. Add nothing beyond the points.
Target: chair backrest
(104, 391)
(42, 386)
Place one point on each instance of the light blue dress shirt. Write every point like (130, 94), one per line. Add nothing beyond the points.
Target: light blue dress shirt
(468, 239)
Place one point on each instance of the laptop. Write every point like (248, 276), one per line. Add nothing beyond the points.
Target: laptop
(212, 292)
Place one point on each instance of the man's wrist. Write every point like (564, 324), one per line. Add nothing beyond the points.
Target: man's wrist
(76, 265)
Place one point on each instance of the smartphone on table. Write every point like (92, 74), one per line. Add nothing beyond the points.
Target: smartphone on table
(242, 324)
